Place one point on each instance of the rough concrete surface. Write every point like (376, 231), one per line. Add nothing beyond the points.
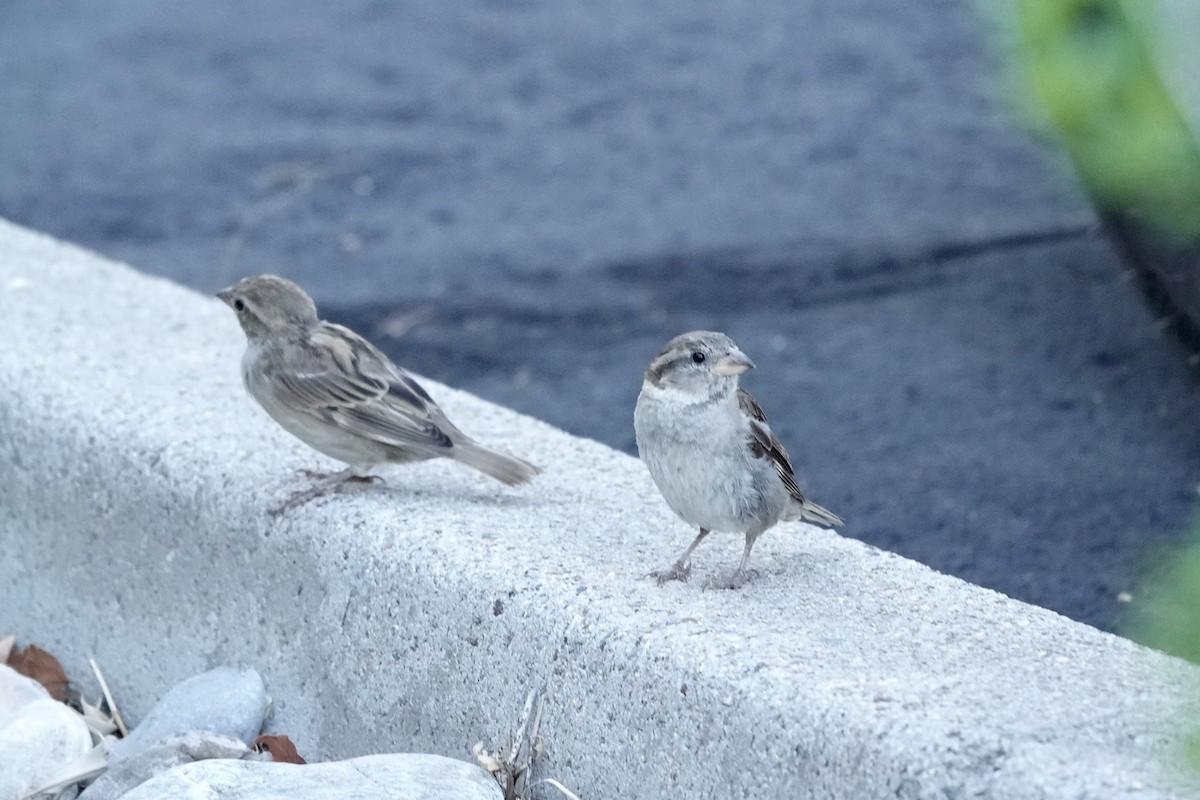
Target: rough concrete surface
(137, 477)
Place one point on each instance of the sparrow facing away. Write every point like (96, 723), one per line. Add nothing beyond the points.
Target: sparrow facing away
(338, 393)
(710, 451)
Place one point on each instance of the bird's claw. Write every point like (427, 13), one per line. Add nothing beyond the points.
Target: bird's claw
(314, 475)
(678, 572)
(737, 580)
(327, 483)
(298, 499)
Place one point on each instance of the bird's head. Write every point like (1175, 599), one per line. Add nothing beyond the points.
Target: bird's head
(268, 305)
(700, 364)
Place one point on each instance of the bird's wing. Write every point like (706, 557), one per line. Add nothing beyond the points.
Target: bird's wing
(345, 380)
(764, 444)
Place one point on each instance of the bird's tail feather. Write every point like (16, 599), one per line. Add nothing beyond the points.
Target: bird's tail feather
(822, 516)
(506, 469)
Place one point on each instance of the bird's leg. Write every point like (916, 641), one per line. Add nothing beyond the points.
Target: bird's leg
(326, 483)
(741, 576)
(340, 477)
(682, 568)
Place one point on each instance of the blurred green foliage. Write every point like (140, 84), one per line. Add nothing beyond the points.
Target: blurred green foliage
(1167, 616)
(1090, 69)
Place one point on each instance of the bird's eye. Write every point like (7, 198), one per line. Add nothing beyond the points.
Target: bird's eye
(239, 305)
(698, 357)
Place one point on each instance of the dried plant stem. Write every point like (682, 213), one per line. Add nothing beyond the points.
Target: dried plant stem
(112, 706)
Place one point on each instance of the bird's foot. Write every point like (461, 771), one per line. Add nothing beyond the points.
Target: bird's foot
(314, 475)
(326, 483)
(679, 571)
(737, 580)
(344, 476)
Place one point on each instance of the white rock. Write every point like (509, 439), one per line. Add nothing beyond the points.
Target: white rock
(16, 692)
(223, 700)
(411, 776)
(38, 741)
(184, 748)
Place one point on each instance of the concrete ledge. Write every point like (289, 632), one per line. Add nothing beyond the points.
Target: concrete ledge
(136, 476)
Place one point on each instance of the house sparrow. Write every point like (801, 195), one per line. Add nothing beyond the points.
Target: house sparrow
(710, 450)
(338, 393)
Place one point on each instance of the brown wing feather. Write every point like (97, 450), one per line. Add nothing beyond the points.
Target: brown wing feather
(764, 444)
(347, 381)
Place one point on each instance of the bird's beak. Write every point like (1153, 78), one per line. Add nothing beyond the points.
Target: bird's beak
(226, 296)
(735, 362)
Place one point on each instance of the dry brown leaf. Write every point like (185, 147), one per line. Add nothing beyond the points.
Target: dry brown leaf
(34, 662)
(280, 747)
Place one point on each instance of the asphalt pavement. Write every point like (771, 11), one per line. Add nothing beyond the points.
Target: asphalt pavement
(527, 198)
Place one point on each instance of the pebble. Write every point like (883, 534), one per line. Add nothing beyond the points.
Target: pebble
(225, 700)
(16, 692)
(36, 742)
(181, 748)
(379, 777)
